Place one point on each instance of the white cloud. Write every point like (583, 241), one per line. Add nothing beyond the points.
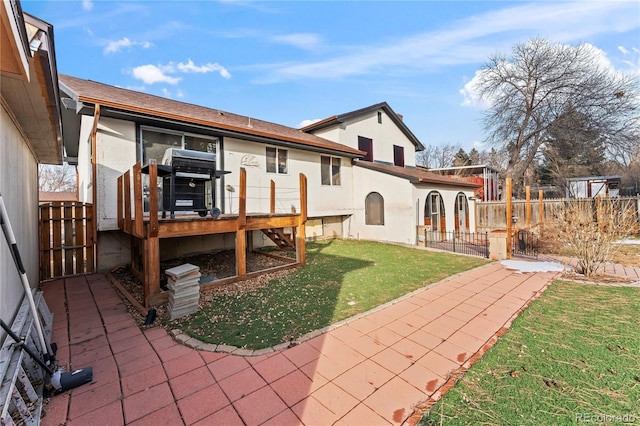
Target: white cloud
(151, 74)
(300, 40)
(114, 46)
(87, 4)
(472, 40)
(470, 95)
(161, 73)
(305, 123)
(190, 67)
(623, 50)
(123, 43)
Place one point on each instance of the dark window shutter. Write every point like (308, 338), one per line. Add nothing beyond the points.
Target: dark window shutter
(366, 145)
(398, 156)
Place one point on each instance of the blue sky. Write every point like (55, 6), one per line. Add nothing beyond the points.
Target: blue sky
(288, 62)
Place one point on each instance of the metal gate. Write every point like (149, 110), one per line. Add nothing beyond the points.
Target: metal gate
(473, 244)
(67, 245)
(524, 244)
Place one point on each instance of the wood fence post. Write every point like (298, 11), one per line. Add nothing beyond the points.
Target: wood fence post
(528, 206)
(509, 215)
(540, 206)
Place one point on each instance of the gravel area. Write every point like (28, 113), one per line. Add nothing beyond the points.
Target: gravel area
(213, 266)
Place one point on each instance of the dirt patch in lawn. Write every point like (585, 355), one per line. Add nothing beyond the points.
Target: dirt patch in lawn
(213, 266)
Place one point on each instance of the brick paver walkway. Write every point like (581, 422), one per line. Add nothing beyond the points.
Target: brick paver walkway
(370, 371)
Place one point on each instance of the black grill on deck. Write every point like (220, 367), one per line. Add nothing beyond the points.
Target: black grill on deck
(185, 174)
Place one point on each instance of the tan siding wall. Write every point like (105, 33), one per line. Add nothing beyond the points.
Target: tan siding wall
(19, 188)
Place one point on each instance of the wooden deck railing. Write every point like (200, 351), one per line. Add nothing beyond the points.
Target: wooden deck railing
(148, 229)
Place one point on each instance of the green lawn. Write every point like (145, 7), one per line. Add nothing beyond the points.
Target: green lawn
(342, 278)
(572, 356)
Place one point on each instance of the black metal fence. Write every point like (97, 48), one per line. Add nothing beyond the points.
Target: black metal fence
(524, 244)
(473, 244)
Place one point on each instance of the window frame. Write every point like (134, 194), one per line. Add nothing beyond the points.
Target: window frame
(141, 151)
(328, 165)
(369, 203)
(277, 167)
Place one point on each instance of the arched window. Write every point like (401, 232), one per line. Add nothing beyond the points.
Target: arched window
(374, 209)
(434, 213)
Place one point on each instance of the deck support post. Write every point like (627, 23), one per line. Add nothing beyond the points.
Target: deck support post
(151, 269)
(301, 253)
(241, 233)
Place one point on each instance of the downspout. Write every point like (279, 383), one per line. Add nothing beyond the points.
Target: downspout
(94, 186)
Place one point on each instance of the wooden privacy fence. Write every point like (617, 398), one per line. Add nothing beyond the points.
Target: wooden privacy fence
(67, 245)
(492, 214)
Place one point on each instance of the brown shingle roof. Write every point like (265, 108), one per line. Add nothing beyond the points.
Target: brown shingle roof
(91, 92)
(415, 175)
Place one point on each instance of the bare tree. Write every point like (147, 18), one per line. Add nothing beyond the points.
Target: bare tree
(589, 228)
(494, 158)
(56, 178)
(437, 157)
(531, 88)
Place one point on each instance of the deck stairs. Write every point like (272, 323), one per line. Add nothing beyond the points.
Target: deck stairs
(284, 240)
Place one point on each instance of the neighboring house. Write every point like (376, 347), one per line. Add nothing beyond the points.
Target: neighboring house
(592, 186)
(360, 167)
(485, 176)
(392, 198)
(31, 133)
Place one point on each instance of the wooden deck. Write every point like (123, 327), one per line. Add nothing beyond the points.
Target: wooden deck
(146, 230)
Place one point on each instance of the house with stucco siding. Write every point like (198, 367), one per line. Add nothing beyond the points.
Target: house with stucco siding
(362, 181)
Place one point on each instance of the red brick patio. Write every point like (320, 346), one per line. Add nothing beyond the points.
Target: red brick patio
(373, 370)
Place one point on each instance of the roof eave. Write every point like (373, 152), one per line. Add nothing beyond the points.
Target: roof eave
(338, 119)
(125, 111)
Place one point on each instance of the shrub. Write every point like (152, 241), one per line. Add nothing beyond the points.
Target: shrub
(590, 228)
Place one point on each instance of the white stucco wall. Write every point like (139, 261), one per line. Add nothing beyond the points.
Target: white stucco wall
(116, 153)
(85, 192)
(384, 135)
(322, 200)
(19, 189)
(399, 209)
(403, 207)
